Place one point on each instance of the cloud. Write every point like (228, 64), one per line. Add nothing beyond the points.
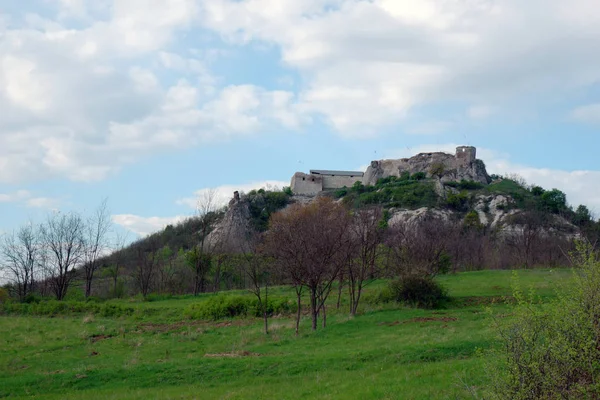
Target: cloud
(81, 100)
(367, 63)
(222, 194)
(25, 197)
(144, 226)
(581, 186)
(588, 114)
(480, 112)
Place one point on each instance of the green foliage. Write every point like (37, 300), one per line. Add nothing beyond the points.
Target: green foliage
(262, 204)
(582, 216)
(466, 185)
(4, 296)
(458, 201)
(287, 190)
(229, 306)
(418, 291)
(472, 220)
(419, 176)
(552, 350)
(554, 201)
(55, 308)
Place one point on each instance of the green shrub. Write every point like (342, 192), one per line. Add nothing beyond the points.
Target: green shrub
(419, 176)
(4, 296)
(229, 306)
(54, 308)
(385, 295)
(550, 350)
(418, 291)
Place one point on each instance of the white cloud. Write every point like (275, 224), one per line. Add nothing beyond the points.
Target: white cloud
(224, 193)
(144, 225)
(366, 63)
(25, 197)
(480, 112)
(15, 196)
(589, 113)
(77, 103)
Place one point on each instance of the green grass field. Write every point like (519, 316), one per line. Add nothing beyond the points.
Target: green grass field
(386, 352)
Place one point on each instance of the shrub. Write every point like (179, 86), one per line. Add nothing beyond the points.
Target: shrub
(230, 306)
(4, 296)
(418, 291)
(551, 350)
(419, 176)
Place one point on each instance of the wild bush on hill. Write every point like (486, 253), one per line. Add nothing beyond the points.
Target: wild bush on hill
(418, 291)
(230, 306)
(552, 350)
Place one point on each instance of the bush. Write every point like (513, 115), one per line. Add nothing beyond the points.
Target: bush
(4, 296)
(230, 306)
(551, 351)
(418, 291)
(53, 308)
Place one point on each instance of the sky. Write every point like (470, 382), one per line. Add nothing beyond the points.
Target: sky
(150, 103)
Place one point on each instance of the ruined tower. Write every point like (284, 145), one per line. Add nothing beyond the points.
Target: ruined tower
(465, 155)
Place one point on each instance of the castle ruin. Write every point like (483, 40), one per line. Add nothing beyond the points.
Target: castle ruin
(463, 165)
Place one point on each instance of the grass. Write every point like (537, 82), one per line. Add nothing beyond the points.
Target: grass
(386, 352)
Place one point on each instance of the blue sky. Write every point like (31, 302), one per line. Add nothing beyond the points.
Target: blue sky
(151, 102)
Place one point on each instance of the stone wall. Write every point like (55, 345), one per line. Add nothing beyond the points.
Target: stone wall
(336, 182)
(305, 184)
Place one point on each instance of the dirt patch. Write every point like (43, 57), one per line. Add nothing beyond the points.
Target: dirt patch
(431, 319)
(232, 355)
(420, 319)
(97, 338)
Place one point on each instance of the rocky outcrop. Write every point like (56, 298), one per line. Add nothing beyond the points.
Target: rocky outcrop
(462, 165)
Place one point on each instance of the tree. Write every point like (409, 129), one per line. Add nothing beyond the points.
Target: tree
(255, 266)
(367, 235)
(146, 262)
(62, 236)
(21, 254)
(200, 257)
(95, 243)
(311, 244)
(117, 258)
(524, 239)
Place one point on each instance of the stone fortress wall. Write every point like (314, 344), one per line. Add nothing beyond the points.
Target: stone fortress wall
(447, 167)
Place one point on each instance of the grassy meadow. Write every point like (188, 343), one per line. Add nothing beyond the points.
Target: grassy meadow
(386, 352)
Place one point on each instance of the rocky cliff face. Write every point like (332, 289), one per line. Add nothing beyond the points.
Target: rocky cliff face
(446, 167)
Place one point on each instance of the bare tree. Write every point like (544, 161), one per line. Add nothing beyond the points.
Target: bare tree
(200, 257)
(526, 236)
(367, 236)
(421, 246)
(117, 259)
(95, 243)
(62, 236)
(254, 266)
(21, 256)
(313, 243)
(146, 263)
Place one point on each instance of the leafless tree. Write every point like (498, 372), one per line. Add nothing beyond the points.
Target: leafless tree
(421, 246)
(200, 257)
(62, 236)
(117, 259)
(255, 267)
(529, 227)
(146, 263)
(311, 243)
(95, 238)
(367, 237)
(21, 256)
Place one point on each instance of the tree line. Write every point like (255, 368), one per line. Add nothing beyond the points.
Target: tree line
(316, 248)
